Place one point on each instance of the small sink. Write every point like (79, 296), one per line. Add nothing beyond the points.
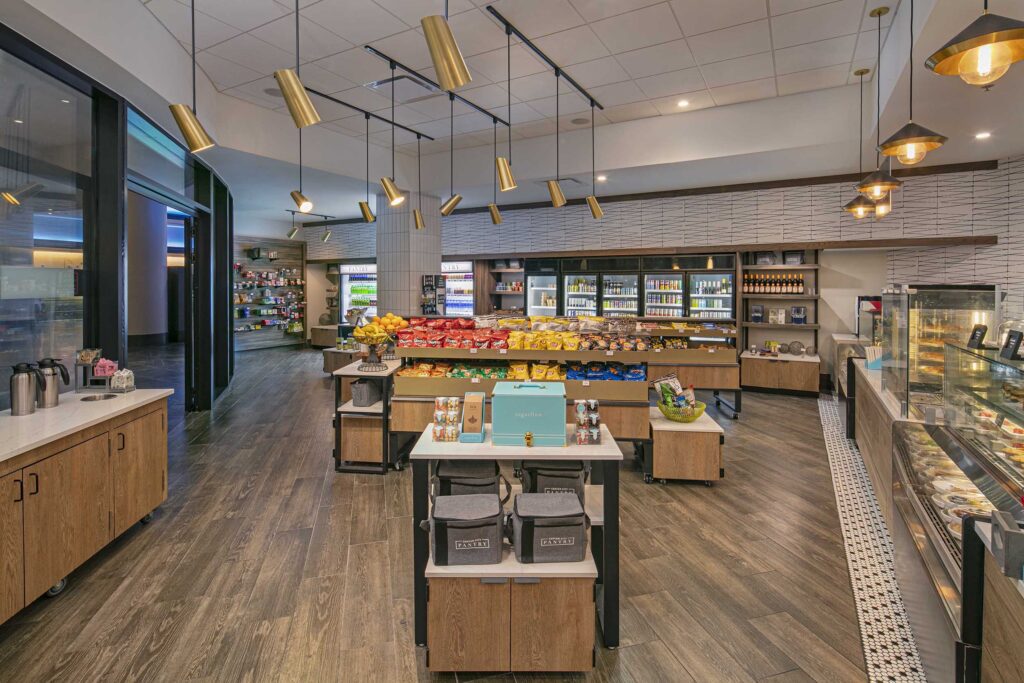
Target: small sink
(99, 397)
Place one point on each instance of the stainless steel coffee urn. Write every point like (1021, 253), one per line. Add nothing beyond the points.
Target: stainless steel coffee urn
(24, 383)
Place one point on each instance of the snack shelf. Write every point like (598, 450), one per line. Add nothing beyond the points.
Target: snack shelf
(693, 356)
(782, 266)
(782, 326)
(603, 390)
(781, 297)
(508, 291)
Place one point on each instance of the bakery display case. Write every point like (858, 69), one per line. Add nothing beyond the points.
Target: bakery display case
(869, 320)
(917, 321)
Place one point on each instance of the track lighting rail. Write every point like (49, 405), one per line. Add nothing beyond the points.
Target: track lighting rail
(368, 113)
(510, 28)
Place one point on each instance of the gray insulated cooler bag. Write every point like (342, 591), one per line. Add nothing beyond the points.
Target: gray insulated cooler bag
(549, 527)
(468, 477)
(466, 529)
(554, 476)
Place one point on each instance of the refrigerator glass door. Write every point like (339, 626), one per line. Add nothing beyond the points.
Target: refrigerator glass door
(458, 295)
(620, 295)
(580, 295)
(359, 290)
(541, 294)
(711, 296)
(664, 295)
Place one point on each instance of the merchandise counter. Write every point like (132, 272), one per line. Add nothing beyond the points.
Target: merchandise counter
(362, 437)
(876, 411)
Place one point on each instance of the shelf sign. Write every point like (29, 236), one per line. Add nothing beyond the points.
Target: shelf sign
(357, 268)
(1012, 345)
(457, 267)
(977, 336)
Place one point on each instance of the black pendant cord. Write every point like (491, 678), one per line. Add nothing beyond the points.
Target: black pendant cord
(194, 58)
(508, 75)
(419, 177)
(451, 143)
(557, 160)
(878, 98)
(393, 121)
(494, 184)
(300, 161)
(860, 131)
(446, 10)
(911, 55)
(593, 154)
(297, 72)
(367, 159)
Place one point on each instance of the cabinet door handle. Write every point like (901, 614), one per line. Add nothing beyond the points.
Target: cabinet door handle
(526, 579)
(120, 435)
(21, 490)
(35, 478)
(499, 580)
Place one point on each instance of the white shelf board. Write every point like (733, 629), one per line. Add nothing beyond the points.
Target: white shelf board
(705, 423)
(513, 569)
(350, 370)
(374, 409)
(428, 449)
(666, 291)
(789, 357)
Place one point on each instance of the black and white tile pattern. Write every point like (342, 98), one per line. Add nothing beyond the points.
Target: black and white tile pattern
(889, 648)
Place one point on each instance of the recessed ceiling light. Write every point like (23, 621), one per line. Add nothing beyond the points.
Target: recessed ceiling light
(273, 92)
(683, 104)
(18, 121)
(602, 178)
(984, 135)
(66, 101)
(580, 121)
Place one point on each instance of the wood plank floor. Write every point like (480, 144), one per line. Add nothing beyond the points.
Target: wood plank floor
(266, 565)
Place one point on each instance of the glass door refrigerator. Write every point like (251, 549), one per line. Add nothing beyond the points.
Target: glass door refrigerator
(579, 294)
(664, 295)
(458, 286)
(541, 286)
(620, 295)
(711, 295)
(358, 287)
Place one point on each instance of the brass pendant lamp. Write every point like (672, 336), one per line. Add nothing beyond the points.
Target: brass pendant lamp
(301, 201)
(879, 184)
(364, 206)
(860, 206)
(595, 209)
(449, 65)
(195, 135)
(493, 206)
(912, 142)
(295, 96)
(294, 229)
(395, 197)
(417, 213)
(326, 236)
(449, 204)
(983, 52)
(506, 181)
(554, 189)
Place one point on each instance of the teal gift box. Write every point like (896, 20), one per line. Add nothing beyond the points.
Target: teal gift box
(537, 408)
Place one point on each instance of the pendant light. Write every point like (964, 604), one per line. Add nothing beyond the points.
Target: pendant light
(595, 209)
(452, 201)
(195, 135)
(879, 184)
(301, 201)
(449, 65)
(860, 206)
(326, 236)
(417, 213)
(493, 206)
(506, 181)
(295, 230)
(554, 189)
(16, 196)
(295, 96)
(395, 197)
(983, 52)
(364, 206)
(912, 142)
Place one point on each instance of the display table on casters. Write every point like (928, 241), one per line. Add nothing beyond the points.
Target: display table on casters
(604, 540)
(367, 447)
(683, 450)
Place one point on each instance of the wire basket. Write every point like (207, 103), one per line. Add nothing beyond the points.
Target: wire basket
(686, 414)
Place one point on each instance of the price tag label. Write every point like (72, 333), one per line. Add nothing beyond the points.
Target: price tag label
(586, 382)
(473, 350)
(609, 353)
(657, 350)
(503, 352)
(474, 380)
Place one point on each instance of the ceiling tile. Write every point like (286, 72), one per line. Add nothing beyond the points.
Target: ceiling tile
(744, 92)
(314, 40)
(350, 125)
(471, 123)
(524, 113)
(615, 94)
(176, 18)
(630, 112)
(323, 80)
(412, 12)
(656, 59)
(537, 86)
(598, 72)
(356, 64)
(476, 32)
(730, 43)
(818, 23)
(435, 107)
(701, 16)
(592, 10)
(537, 18)
(358, 22)
(494, 64)
(696, 100)
(537, 129)
(487, 96)
(364, 98)
(637, 29)
(576, 45)
(569, 103)
(815, 55)
(253, 91)
(243, 14)
(867, 47)
(784, 6)
(408, 47)
(672, 83)
(224, 73)
(328, 110)
(253, 53)
(815, 79)
(750, 68)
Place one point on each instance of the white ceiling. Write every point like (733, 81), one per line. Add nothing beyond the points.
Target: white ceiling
(637, 57)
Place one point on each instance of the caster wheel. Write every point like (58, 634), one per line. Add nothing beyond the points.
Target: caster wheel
(708, 484)
(517, 473)
(662, 481)
(398, 467)
(735, 416)
(57, 588)
(147, 519)
(648, 479)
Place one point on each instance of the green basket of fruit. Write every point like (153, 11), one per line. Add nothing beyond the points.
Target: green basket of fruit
(683, 413)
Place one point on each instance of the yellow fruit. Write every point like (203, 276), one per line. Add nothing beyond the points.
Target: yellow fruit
(376, 319)
(404, 324)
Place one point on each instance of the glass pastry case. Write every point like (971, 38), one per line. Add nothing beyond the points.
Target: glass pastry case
(917, 322)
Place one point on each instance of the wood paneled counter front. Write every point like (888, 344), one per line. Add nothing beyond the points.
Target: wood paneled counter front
(72, 478)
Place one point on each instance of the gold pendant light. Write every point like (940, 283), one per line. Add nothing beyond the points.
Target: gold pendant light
(326, 236)
(395, 196)
(912, 142)
(294, 230)
(493, 206)
(495, 214)
(451, 69)
(301, 201)
(195, 135)
(417, 213)
(860, 206)
(417, 217)
(554, 189)
(983, 52)
(883, 207)
(506, 181)
(364, 206)
(880, 183)
(299, 105)
(595, 209)
(16, 196)
(449, 204)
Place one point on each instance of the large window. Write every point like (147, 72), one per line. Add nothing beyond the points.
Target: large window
(157, 160)
(45, 182)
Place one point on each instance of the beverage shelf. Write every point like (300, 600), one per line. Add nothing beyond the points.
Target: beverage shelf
(666, 291)
(782, 297)
(782, 326)
(802, 266)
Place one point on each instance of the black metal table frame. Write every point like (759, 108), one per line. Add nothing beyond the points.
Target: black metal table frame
(389, 456)
(604, 541)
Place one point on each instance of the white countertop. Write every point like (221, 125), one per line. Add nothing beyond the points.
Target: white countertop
(26, 432)
(874, 384)
(509, 567)
(844, 336)
(428, 449)
(704, 423)
(788, 357)
(351, 370)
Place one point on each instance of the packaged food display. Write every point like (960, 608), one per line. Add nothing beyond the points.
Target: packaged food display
(446, 418)
(587, 417)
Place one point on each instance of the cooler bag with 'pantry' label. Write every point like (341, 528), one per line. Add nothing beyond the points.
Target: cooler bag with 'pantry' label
(466, 529)
(549, 527)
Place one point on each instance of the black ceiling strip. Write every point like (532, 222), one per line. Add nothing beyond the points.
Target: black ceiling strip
(540, 53)
(412, 72)
(368, 113)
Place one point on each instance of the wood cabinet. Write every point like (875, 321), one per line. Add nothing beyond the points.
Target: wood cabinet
(362, 439)
(873, 429)
(552, 624)
(776, 373)
(139, 468)
(12, 549)
(67, 513)
(1002, 631)
(467, 625)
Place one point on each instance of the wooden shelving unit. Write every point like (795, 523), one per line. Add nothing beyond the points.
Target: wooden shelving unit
(287, 263)
(500, 272)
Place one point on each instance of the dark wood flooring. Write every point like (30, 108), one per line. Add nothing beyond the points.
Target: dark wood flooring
(265, 565)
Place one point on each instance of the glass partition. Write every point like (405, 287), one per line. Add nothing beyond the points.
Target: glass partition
(157, 158)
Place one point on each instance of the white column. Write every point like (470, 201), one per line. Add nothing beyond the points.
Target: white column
(405, 254)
